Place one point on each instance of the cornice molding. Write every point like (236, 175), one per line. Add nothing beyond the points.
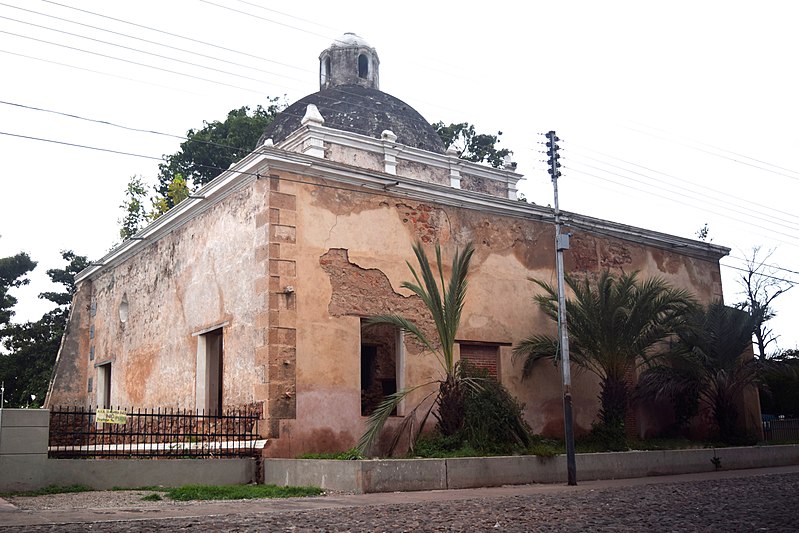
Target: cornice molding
(266, 161)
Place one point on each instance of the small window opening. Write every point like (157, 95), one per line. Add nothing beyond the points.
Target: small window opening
(363, 66)
(379, 346)
(104, 386)
(210, 369)
(325, 70)
(124, 309)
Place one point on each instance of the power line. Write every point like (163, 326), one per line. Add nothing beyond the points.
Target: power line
(101, 73)
(130, 61)
(762, 275)
(142, 39)
(287, 15)
(173, 35)
(78, 145)
(139, 51)
(715, 191)
(720, 149)
(675, 201)
(720, 155)
(772, 219)
(267, 20)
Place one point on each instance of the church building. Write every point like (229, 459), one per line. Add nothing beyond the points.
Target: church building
(255, 289)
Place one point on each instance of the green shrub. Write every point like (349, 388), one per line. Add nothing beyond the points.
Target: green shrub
(350, 455)
(493, 422)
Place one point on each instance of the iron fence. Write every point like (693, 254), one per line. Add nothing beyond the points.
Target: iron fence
(79, 432)
(779, 430)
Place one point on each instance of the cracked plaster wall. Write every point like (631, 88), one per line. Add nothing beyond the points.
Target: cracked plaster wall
(351, 253)
(200, 275)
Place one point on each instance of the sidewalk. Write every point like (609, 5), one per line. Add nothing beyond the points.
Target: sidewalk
(13, 517)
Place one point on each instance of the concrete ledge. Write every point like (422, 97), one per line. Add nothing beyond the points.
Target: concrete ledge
(29, 472)
(470, 472)
(24, 431)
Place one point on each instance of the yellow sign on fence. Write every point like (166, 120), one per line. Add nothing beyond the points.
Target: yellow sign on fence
(110, 416)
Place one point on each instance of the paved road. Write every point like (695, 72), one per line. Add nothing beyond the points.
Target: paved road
(761, 500)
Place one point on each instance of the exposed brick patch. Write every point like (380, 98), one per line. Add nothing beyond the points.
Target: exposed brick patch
(482, 356)
(614, 254)
(427, 222)
(365, 292)
(582, 255)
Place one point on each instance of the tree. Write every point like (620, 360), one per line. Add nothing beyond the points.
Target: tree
(209, 151)
(32, 346)
(615, 324)
(135, 212)
(712, 365)
(760, 288)
(205, 154)
(12, 276)
(445, 305)
(472, 146)
(780, 396)
(177, 191)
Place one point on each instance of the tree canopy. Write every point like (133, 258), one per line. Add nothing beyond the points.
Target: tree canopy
(12, 275)
(761, 286)
(616, 323)
(472, 146)
(213, 148)
(32, 346)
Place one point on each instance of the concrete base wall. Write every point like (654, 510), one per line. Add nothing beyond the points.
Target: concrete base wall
(468, 472)
(24, 464)
(30, 473)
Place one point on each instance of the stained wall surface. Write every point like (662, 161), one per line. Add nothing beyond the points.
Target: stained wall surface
(200, 276)
(288, 266)
(351, 252)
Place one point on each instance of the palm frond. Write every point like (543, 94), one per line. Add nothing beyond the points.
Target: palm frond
(533, 349)
(378, 418)
(404, 324)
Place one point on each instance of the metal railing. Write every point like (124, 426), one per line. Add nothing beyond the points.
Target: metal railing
(79, 432)
(778, 430)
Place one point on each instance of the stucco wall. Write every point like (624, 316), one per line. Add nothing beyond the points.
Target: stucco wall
(199, 276)
(288, 266)
(351, 249)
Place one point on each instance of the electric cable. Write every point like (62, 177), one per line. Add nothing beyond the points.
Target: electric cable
(133, 37)
(678, 201)
(688, 182)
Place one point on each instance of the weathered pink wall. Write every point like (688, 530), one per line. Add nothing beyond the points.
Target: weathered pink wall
(290, 268)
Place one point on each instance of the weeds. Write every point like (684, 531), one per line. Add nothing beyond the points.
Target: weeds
(238, 492)
(51, 489)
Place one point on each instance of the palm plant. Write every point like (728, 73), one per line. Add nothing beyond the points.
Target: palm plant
(614, 324)
(445, 305)
(711, 365)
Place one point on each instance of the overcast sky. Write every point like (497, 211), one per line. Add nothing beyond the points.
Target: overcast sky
(673, 114)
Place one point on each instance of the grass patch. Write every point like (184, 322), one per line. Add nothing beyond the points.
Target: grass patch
(238, 492)
(154, 497)
(50, 489)
(154, 488)
(350, 455)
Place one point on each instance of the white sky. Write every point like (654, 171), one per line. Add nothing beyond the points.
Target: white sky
(672, 114)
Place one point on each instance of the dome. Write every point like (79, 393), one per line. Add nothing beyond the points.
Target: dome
(350, 99)
(350, 40)
(361, 110)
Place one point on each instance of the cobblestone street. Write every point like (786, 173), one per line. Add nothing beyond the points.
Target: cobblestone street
(734, 503)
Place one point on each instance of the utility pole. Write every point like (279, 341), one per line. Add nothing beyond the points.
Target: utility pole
(562, 243)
